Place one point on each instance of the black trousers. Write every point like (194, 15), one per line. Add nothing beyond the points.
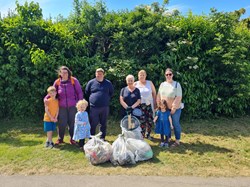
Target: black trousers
(66, 118)
(98, 115)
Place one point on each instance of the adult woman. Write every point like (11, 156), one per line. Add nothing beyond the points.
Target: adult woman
(69, 92)
(130, 97)
(148, 98)
(171, 91)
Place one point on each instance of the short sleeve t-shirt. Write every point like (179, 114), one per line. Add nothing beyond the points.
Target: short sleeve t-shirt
(53, 106)
(170, 90)
(130, 97)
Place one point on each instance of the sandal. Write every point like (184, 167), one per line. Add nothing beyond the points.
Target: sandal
(175, 144)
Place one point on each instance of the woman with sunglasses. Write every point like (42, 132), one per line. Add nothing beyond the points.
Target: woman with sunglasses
(171, 91)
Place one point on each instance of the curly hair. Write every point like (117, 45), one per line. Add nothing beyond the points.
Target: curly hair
(80, 103)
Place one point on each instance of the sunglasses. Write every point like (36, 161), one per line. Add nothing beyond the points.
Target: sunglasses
(170, 74)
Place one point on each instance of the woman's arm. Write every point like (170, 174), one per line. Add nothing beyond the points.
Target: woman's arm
(177, 100)
(137, 103)
(153, 94)
(78, 89)
(158, 96)
(122, 102)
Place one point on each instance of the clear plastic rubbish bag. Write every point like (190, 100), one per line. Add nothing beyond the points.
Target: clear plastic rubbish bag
(97, 151)
(136, 133)
(140, 148)
(121, 155)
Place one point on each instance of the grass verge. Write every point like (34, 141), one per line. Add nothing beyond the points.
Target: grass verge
(209, 148)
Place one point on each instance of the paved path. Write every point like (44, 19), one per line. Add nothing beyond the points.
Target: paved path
(120, 181)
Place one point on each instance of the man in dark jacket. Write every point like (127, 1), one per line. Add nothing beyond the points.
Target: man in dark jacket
(98, 92)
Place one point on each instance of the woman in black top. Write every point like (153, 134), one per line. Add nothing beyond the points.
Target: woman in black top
(130, 97)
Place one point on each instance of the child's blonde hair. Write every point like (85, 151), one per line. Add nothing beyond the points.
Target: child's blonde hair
(51, 88)
(80, 103)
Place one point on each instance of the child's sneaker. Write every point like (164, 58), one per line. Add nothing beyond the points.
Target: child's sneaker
(162, 144)
(166, 145)
(51, 145)
(47, 144)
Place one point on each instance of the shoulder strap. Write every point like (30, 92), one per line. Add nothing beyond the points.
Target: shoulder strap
(72, 80)
(58, 81)
(176, 88)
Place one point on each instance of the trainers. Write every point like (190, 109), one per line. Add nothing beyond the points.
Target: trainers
(47, 144)
(162, 144)
(166, 145)
(51, 145)
(72, 142)
(175, 144)
(59, 141)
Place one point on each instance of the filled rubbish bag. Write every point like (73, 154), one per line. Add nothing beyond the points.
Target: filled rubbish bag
(136, 133)
(121, 155)
(97, 151)
(140, 148)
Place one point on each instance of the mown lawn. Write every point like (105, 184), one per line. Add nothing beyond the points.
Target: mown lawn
(218, 147)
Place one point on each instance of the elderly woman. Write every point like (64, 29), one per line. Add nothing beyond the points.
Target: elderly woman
(171, 91)
(130, 97)
(148, 98)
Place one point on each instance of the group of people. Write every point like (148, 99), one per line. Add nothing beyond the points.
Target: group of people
(66, 105)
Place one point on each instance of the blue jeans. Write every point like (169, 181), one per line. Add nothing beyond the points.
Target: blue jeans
(176, 123)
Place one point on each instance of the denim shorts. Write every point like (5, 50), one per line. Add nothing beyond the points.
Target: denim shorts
(49, 126)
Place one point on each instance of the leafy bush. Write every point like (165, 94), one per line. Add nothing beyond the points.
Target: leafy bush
(210, 55)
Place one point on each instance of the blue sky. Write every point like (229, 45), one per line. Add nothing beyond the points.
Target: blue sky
(64, 7)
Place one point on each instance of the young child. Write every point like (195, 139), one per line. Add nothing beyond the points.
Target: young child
(162, 123)
(50, 116)
(82, 126)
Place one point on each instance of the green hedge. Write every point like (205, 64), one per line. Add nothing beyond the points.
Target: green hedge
(210, 55)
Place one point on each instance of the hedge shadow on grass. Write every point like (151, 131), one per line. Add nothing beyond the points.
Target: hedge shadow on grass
(18, 142)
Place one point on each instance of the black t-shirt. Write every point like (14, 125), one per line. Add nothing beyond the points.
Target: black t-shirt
(129, 98)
